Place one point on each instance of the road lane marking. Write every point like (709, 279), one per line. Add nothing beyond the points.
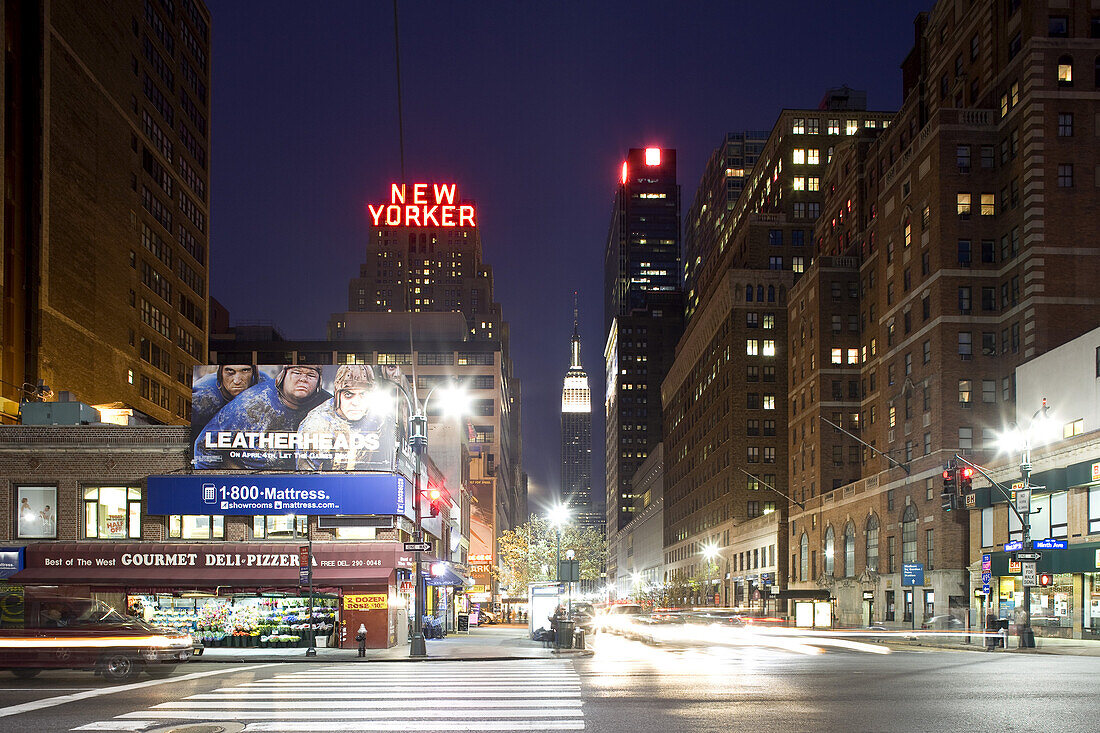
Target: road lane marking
(130, 725)
(361, 712)
(306, 726)
(50, 702)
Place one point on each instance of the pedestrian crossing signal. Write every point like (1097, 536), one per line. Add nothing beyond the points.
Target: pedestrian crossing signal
(1046, 579)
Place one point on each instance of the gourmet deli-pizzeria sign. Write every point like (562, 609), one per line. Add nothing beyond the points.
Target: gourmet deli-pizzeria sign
(206, 564)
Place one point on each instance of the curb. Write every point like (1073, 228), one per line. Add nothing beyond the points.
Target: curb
(358, 660)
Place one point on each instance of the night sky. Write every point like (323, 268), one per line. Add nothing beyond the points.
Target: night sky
(529, 107)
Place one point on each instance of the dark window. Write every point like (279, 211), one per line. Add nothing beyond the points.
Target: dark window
(964, 252)
(989, 251)
(1058, 26)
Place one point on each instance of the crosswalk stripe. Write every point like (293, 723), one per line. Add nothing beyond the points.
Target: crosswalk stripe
(307, 703)
(410, 713)
(380, 698)
(306, 726)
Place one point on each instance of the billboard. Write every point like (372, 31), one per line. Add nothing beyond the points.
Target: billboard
(298, 417)
(250, 495)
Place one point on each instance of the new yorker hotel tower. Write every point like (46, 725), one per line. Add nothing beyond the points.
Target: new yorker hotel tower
(643, 319)
(424, 254)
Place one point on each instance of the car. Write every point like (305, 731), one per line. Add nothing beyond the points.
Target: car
(55, 632)
(616, 618)
(485, 618)
(946, 622)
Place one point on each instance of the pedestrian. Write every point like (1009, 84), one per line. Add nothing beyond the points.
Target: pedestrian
(361, 637)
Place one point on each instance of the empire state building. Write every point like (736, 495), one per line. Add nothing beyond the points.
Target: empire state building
(576, 441)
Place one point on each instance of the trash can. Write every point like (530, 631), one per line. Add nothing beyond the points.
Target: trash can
(564, 636)
(1027, 637)
(578, 638)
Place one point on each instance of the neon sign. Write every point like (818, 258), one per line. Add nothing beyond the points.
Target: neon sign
(424, 206)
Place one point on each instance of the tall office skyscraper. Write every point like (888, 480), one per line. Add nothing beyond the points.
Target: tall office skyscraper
(643, 318)
(576, 440)
(105, 169)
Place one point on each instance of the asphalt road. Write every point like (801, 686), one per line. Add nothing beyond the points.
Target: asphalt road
(625, 687)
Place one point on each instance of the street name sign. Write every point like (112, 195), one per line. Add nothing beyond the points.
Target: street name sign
(1050, 544)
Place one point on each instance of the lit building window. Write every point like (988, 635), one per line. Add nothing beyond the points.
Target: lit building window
(752, 347)
(851, 127)
(853, 356)
(987, 204)
(799, 183)
(798, 156)
(962, 204)
(769, 348)
(838, 356)
(813, 156)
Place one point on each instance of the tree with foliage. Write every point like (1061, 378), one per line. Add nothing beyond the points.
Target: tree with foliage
(526, 554)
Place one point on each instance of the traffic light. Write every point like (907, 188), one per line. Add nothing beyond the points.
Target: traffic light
(1046, 579)
(949, 495)
(966, 478)
(435, 499)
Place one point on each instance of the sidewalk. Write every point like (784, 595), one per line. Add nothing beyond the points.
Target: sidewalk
(1043, 645)
(482, 643)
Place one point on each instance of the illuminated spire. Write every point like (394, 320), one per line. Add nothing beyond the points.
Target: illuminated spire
(575, 395)
(575, 363)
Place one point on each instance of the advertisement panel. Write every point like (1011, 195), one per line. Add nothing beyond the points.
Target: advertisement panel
(366, 602)
(277, 494)
(299, 417)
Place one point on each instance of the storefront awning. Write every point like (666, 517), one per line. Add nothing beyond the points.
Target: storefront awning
(795, 594)
(207, 565)
(446, 577)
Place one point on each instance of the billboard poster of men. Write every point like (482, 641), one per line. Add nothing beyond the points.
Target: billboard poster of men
(213, 387)
(305, 417)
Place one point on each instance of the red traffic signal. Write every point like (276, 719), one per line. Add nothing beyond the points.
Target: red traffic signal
(966, 478)
(1046, 579)
(435, 499)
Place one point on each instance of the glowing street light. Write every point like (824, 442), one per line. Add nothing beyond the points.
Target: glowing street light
(454, 402)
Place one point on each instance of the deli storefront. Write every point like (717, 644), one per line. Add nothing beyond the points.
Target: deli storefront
(237, 594)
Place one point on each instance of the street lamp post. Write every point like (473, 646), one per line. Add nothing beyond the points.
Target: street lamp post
(418, 439)
(558, 516)
(710, 551)
(1038, 420)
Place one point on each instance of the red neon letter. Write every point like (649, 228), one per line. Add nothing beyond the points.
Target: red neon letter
(448, 215)
(445, 192)
(465, 214)
(412, 216)
(429, 216)
(397, 193)
(393, 215)
(420, 191)
(375, 215)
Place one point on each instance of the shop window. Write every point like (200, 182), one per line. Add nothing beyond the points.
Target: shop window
(929, 602)
(1094, 509)
(112, 512)
(196, 527)
(36, 512)
(987, 527)
(279, 526)
(890, 606)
